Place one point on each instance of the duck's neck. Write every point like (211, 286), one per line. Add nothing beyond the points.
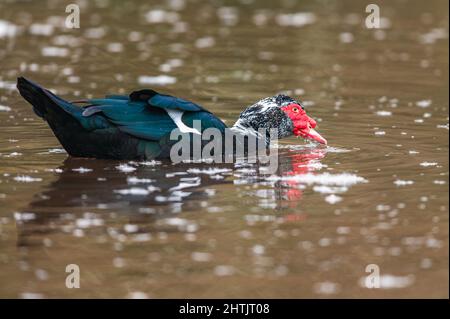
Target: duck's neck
(243, 129)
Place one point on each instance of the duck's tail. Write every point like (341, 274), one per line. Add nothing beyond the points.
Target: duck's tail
(45, 104)
(63, 117)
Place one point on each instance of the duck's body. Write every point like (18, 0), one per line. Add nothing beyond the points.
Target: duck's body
(117, 127)
(138, 126)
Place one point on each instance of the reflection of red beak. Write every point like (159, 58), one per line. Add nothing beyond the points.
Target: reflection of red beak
(300, 165)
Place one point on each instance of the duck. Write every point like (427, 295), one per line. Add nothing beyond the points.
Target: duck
(138, 126)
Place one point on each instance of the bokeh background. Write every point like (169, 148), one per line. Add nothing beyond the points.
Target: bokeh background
(378, 194)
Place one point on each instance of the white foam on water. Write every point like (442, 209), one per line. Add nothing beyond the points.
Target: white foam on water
(343, 179)
(31, 295)
(224, 270)
(333, 199)
(324, 189)
(24, 216)
(343, 230)
(205, 42)
(427, 164)
(170, 64)
(55, 51)
(175, 221)
(13, 154)
(161, 16)
(87, 222)
(423, 103)
(209, 171)
(82, 170)
(114, 47)
(258, 250)
(131, 228)
(57, 151)
(331, 149)
(41, 29)
(201, 256)
(400, 182)
(142, 237)
(27, 179)
(314, 165)
(7, 29)
(133, 191)
(54, 170)
(150, 163)
(229, 16)
(4, 108)
(136, 180)
(384, 113)
(7, 85)
(156, 80)
(444, 126)
(186, 184)
(433, 35)
(137, 295)
(152, 188)
(326, 288)
(95, 33)
(180, 194)
(391, 281)
(119, 262)
(126, 168)
(388, 281)
(298, 19)
(346, 37)
(175, 174)
(246, 170)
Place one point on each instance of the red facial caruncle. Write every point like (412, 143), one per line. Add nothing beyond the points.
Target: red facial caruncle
(303, 124)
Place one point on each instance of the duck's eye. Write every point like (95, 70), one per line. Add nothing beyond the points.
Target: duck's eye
(295, 109)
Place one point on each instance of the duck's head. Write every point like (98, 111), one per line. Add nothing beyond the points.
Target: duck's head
(285, 114)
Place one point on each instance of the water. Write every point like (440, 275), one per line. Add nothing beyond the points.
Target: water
(378, 194)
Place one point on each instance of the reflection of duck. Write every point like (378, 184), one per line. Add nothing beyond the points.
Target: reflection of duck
(285, 193)
(89, 184)
(152, 190)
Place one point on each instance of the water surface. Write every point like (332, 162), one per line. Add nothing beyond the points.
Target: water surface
(378, 194)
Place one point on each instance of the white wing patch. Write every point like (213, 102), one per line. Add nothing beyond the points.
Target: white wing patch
(176, 115)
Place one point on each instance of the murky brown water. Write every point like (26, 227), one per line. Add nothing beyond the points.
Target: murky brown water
(377, 195)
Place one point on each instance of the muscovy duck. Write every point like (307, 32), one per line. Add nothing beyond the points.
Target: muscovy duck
(138, 126)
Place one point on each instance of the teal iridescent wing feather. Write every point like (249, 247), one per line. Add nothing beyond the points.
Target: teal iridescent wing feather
(144, 114)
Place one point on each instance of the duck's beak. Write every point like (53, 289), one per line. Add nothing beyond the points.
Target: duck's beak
(314, 135)
(306, 130)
